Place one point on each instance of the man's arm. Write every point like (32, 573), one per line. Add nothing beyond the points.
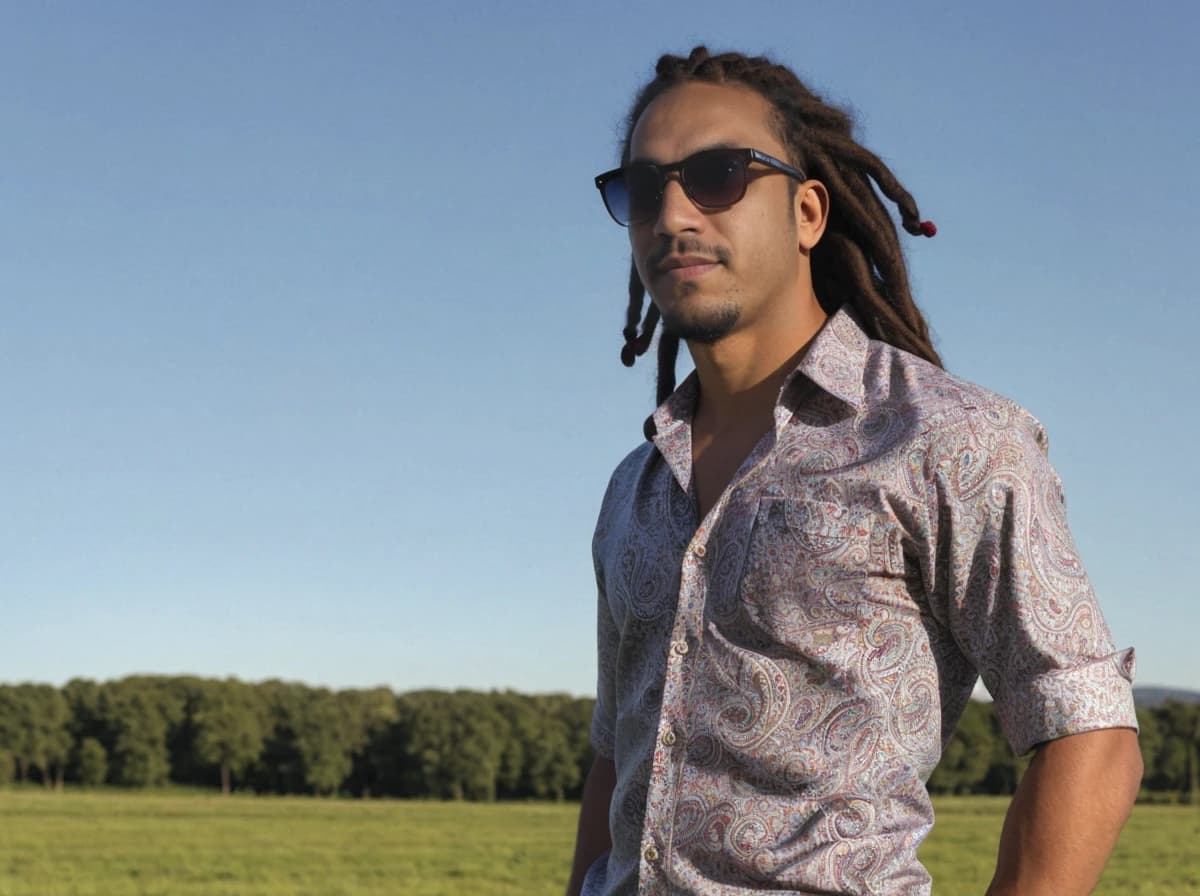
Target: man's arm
(593, 837)
(1068, 810)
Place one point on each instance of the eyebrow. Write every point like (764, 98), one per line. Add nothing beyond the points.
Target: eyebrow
(721, 144)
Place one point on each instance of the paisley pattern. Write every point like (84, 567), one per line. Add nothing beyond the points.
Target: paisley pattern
(778, 680)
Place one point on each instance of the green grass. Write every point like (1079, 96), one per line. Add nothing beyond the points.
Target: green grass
(1158, 853)
(130, 844)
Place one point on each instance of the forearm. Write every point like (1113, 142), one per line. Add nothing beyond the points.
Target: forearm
(593, 837)
(1065, 817)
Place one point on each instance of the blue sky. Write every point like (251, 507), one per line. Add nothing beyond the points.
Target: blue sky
(311, 313)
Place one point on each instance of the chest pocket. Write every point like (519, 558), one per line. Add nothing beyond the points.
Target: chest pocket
(807, 543)
(810, 562)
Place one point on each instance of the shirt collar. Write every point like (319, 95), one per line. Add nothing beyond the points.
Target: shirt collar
(835, 361)
(837, 357)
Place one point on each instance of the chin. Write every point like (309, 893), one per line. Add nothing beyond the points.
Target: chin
(704, 328)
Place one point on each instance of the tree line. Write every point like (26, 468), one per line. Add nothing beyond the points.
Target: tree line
(978, 759)
(288, 738)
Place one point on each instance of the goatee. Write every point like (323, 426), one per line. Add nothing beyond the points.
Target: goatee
(706, 330)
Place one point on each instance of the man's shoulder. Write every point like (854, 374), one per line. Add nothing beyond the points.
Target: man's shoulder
(619, 495)
(626, 472)
(939, 401)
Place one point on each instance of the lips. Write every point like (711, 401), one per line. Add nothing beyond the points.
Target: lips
(686, 267)
(678, 262)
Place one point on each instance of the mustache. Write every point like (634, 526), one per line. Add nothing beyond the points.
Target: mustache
(686, 246)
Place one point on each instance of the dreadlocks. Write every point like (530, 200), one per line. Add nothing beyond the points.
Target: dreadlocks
(858, 259)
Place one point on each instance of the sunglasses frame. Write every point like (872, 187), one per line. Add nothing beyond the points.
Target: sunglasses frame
(747, 156)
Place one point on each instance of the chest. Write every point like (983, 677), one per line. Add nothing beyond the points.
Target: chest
(715, 464)
(787, 543)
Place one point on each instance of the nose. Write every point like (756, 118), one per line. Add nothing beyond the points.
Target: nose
(678, 213)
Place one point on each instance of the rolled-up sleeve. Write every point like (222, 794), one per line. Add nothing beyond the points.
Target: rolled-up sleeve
(1012, 588)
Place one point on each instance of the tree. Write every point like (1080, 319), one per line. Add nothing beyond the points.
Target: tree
(320, 743)
(138, 713)
(83, 701)
(83, 706)
(576, 714)
(537, 757)
(92, 762)
(34, 729)
(279, 768)
(1177, 765)
(49, 735)
(366, 717)
(550, 767)
(184, 693)
(230, 728)
(454, 743)
(519, 714)
(16, 726)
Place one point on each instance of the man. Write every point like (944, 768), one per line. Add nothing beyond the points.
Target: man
(824, 541)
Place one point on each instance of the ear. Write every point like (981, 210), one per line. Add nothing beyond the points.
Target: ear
(812, 213)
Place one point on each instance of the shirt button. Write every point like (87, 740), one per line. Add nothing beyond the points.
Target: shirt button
(668, 737)
(699, 550)
(650, 853)
(679, 647)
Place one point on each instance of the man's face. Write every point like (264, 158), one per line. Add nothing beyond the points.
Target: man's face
(753, 260)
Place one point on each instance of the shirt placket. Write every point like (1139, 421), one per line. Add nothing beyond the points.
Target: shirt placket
(686, 637)
(670, 739)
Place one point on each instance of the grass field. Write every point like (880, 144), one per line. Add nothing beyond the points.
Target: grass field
(130, 844)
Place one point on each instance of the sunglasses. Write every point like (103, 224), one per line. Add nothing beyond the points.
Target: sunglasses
(711, 178)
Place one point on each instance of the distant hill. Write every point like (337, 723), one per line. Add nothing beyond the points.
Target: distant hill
(1154, 696)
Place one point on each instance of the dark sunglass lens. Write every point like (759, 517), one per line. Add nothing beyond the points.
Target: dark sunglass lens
(715, 179)
(616, 197)
(644, 184)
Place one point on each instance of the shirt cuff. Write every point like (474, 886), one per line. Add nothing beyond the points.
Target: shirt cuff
(1089, 697)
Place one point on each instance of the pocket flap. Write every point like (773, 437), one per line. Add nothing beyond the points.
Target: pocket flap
(826, 525)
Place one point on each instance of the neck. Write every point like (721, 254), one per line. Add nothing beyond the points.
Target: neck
(741, 374)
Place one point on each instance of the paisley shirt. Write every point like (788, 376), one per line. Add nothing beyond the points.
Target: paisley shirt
(778, 680)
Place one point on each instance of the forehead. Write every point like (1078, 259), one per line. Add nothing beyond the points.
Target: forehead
(695, 116)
